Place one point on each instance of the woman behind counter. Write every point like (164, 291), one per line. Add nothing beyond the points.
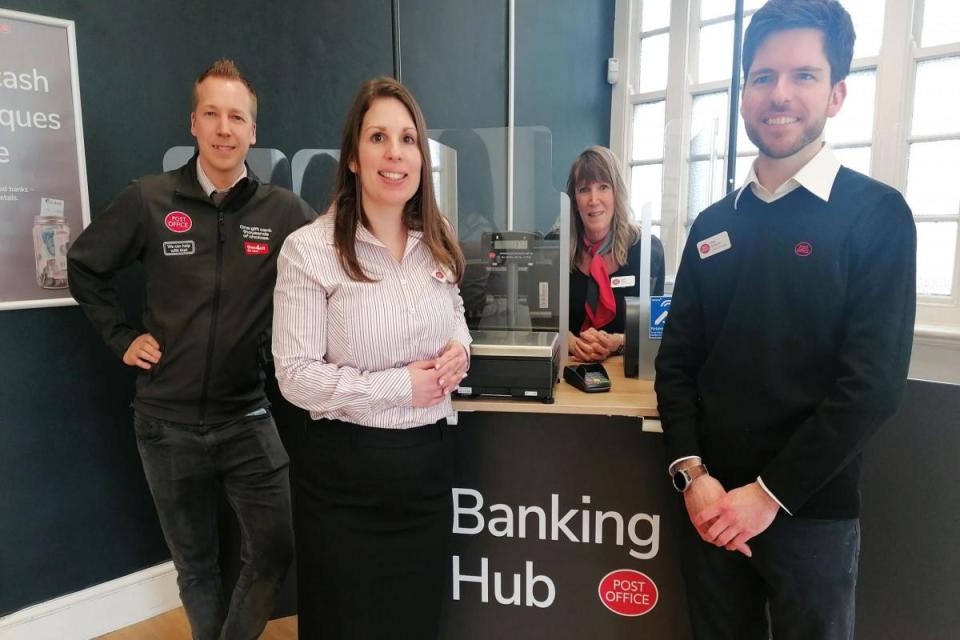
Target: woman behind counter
(369, 337)
(604, 256)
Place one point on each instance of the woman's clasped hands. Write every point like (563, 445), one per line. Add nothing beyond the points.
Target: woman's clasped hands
(432, 380)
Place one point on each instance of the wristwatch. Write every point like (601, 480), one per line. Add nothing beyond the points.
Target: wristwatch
(683, 478)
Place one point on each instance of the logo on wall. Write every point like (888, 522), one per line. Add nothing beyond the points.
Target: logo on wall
(178, 222)
(628, 593)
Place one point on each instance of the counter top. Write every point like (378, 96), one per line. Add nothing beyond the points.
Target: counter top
(627, 397)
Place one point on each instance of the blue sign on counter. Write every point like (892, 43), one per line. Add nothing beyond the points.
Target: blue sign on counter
(659, 309)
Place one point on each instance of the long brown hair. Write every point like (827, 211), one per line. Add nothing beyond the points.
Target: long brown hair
(598, 164)
(420, 213)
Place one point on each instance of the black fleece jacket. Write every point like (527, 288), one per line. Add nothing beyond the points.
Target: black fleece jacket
(210, 274)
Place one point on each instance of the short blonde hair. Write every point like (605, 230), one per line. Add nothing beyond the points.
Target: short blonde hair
(226, 69)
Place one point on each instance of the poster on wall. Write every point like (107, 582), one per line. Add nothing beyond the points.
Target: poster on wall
(43, 178)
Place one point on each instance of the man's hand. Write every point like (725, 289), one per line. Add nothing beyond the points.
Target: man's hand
(702, 493)
(737, 517)
(143, 352)
(452, 366)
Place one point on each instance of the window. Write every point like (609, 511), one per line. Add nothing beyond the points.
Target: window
(900, 122)
(932, 148)
(650, 75)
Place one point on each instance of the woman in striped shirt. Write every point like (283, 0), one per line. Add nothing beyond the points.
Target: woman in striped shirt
(370, 338)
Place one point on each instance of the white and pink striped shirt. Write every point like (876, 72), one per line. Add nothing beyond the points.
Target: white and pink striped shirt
(341, 347)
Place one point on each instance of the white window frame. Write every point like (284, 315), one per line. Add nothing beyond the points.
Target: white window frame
(895, 67)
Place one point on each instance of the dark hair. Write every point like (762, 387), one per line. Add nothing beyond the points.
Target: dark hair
(419, 213)
(826, 16)
(226, 69)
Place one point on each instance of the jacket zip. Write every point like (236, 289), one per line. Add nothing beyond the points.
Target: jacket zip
(213, 319)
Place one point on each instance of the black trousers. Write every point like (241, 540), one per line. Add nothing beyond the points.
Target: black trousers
(187, 466)
(799, 585)
(372, 514)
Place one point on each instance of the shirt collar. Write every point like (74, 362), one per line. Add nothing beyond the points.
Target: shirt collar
(817, 177)
(207, 185)
(364, 235)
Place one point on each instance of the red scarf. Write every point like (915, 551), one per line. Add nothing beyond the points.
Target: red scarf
(600, 305)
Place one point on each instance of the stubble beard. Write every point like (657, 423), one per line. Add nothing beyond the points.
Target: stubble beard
(810, 134)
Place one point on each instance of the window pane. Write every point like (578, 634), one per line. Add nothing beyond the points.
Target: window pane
(743, 142)
(648, 131)
(716, 8)
(743, 167)
(716, 52)
(704, 187)
(653, 62)
(940, 20)
(656, 15)
(936, 107)
(936, 248)
(867, 16)
(646, 190)
(932, 185)
(857, 159)
(708, 130)
(854, 123)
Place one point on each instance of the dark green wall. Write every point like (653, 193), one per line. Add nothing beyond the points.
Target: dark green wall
(74, 507)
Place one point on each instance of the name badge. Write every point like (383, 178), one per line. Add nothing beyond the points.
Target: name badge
(442, 274)
(713, 245)
(618, 282)
(179, 248)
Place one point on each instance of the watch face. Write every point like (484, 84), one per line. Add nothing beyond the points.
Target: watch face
(680, 481)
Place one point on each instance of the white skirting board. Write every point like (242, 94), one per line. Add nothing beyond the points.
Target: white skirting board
(100, 609)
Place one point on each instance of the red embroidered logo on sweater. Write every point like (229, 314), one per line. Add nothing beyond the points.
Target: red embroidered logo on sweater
(803, 249)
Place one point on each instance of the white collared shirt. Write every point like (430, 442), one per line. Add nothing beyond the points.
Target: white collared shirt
(816, 176)
(207, 185)
(341, 347)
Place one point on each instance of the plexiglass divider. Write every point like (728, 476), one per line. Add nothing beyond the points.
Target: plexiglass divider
(517, 275)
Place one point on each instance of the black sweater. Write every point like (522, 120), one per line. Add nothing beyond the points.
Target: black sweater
(783, 354)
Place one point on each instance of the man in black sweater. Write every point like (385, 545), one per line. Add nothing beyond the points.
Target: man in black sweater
(787, 347)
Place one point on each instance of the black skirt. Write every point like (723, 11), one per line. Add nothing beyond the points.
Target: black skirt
(372, 514)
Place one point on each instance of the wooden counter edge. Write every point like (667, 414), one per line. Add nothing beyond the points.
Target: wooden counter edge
(627, 397)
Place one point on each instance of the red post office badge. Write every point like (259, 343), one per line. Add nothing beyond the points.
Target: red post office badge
(178, 222)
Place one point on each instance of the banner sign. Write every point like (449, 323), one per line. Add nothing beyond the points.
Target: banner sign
(564, 527)
(43, 178)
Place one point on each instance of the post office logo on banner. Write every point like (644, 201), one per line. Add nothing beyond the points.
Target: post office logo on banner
(178, 222)
(628, 593)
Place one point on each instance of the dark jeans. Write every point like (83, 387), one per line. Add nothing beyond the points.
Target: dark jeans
(799, 585)
(186, 467)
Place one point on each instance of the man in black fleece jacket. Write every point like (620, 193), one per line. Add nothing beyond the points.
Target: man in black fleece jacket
(787, 347)
(208, 235)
